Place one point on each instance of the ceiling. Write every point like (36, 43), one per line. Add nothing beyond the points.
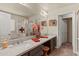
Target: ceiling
(46, 6)
(31, 9)
(37, 8)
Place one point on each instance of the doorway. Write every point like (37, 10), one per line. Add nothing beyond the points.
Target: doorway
(65, 33)
(69, 29)
(65, 30)
(62, 30)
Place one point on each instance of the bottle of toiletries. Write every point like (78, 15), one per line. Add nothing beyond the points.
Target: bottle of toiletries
(5, 43)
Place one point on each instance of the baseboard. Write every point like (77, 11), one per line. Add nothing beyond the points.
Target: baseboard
(76, 53)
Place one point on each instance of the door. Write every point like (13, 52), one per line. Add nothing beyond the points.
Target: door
(78, 33)
(60, 30)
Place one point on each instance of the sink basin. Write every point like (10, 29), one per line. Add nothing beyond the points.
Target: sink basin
(25, 45)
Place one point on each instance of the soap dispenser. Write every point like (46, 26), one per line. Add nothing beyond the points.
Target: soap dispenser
(5, 43)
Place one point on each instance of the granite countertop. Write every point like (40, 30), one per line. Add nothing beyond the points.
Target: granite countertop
(23, 47)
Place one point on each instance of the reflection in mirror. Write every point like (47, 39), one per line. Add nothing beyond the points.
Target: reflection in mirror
(9, 28)
(21, 24)
(6, 24)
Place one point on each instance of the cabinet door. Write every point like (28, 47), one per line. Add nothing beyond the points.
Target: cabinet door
(53, 43)
(36, 51)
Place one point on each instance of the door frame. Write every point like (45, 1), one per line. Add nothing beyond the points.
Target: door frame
(77, 39)
(74, 32)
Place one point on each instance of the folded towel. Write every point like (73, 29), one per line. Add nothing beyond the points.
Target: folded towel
(35, 39)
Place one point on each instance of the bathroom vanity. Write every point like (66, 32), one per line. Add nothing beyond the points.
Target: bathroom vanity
(29, 47)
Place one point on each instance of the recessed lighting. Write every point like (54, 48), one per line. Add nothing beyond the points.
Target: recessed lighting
(26, 5)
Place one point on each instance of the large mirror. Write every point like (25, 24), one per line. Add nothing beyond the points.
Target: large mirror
(13, 27)
(6, 24)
